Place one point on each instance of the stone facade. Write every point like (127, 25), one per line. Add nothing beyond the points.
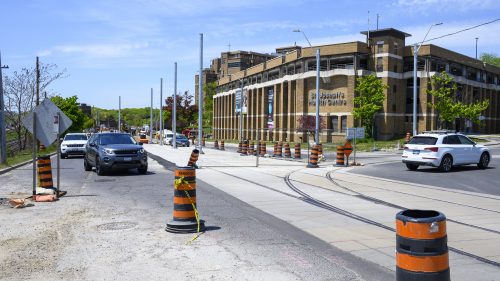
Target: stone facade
(279, 92)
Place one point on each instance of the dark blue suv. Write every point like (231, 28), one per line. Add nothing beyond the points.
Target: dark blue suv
(113, 151)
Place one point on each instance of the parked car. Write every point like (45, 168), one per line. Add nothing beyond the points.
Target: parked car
(180, 140)
(444, 150)
(73, 144)
(112, 151)
(168, 137)
(143, 138)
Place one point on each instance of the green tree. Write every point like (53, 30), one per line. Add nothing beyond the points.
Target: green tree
(186, 111)
(208, 105)
(368, 101)
(444, 91)
(490, 58)
(70, 107)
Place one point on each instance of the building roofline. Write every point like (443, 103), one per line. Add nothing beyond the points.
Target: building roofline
(387, 32)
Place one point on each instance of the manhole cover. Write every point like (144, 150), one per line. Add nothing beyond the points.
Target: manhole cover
(104, 180)
(116, 226)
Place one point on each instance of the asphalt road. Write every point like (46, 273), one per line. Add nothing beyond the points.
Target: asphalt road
(467, 178)
(112, 227)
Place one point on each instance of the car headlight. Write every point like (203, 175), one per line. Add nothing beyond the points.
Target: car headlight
(108, 151)
(141, 150)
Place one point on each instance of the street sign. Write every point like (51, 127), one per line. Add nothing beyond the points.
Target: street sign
(49, 118)
(358, 133)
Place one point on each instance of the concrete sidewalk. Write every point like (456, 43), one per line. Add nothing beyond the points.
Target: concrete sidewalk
(473, 219)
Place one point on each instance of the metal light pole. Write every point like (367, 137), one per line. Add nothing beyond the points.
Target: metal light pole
(200, 96)
(119, 113)
(174, 110)
(318, 66)
(3, 136)
(151, 118)
(240, 117)
(161, 111)
(476, 46)
(416, 48)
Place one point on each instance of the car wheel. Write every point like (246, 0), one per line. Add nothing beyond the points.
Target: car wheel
(86, 165)
(98, 167)
(484, 161)
(412, 167)
(143, 170)
(446, 163)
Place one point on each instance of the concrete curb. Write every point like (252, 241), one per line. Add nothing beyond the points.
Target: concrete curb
(8, 169)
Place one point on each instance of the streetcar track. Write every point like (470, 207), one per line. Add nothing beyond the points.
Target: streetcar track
(320, 204)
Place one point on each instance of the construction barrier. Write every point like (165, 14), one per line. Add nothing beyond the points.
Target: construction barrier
(44, 171)
(185, 215)
(288, 154)
(296, 153)
(216, 144)
(244, 148)
(421, 246)
(203, 142)
(251, 148)
(347, 151)
(279, 150)
(320, 149)
(263, 148)
(340, 156)
(221, 144)
(313, 158)
(240, 147)
(193, 158)
(407, 138)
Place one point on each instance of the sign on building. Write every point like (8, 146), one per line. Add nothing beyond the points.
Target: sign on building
(270, 104)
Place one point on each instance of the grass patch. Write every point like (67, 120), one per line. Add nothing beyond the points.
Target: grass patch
(26, 155)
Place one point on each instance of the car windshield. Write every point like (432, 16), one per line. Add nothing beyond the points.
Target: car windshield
(423, 140)
(180, 137)
(169, 136)
(75, 137)
(116, 139)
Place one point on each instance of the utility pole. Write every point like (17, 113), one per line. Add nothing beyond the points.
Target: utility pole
(318, 66)
(3, 136)
(151, 118)
(476, 46)
(161, 111)
(174, 110)
(377, 21)
(200, 97)
(37, 101)
(119, 113)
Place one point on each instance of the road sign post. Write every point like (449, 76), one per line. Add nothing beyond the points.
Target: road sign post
(355, 133)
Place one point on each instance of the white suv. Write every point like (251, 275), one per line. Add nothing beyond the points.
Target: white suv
(444, 150)
(73, 144)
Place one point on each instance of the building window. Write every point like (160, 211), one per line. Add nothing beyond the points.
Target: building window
(380, 47)
(380, 66)
(343, 123)
(334, 123)
(234, 64)
(396, 48)
(394, 88)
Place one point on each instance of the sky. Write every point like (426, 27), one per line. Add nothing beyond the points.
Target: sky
(112, 48)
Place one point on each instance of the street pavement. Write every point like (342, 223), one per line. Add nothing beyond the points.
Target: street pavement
(112, 228)
(278, 187)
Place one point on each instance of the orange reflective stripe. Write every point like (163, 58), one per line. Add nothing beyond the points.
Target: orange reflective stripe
(419, 230)
(44, 169)
(184, 200)
(185, 173)
(422, 263)
(184, 214)
(44, 176)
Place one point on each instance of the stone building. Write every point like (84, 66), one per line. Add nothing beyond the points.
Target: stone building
(279, 91)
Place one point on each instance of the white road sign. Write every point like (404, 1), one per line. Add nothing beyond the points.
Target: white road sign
(358, 132)
(48, 115)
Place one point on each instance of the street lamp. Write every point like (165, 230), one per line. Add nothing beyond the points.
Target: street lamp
(3, 137)
(476, 46)
(416, 48)
(318, 65)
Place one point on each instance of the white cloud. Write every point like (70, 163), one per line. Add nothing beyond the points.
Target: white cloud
(460, 5)
(95, 50)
